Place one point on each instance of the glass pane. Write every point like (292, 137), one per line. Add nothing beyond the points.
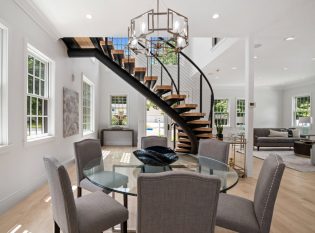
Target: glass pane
(37, 65)
(34, 106)
(40, 125)
(28, 105)
(36, 86)
(45, 107)
(30, 85)
(28, 129)
(40, 107)
(42, 88)
(30, 65)
(33, 126)
(42, 70)
(45, 125)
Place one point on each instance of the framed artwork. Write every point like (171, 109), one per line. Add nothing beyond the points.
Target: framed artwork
(70, 112)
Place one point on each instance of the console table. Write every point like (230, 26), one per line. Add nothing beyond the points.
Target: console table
(117, 137)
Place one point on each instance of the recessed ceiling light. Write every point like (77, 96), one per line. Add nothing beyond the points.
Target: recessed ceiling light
(256, 46)
(255, 57)
(88, 16)
(285, 68)
(217, 77)
(313, 58)
(215, 16)
(289, 38)
(234, 68)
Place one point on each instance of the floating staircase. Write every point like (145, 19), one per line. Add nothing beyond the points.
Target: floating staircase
(190, 124)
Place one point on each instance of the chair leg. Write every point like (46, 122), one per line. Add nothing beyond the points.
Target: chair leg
(79, 192)
(57, 228)
(123, 227)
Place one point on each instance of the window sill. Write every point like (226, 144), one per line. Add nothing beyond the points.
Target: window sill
(5, 148)
(39, 140)
(88, 133)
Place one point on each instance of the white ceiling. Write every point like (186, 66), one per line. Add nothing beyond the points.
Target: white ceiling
(268, 21)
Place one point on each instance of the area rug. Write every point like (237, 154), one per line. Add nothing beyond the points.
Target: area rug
(289, 158)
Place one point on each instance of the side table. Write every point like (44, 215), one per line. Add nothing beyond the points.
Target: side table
(303, 148)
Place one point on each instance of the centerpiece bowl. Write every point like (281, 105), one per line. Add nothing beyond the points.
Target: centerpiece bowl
(156, 156)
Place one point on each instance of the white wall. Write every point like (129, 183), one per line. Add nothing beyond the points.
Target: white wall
(307, 88)
(21, 166)
(268, 111)
(112, 84)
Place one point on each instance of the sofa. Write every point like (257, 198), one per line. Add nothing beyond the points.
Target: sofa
(262, 138)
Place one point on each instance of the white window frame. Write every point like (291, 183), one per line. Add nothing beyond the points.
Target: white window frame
(294, 121)
(110, 111)
(92, 106)
(31, 50)
(4, 118)
(228, 111)
(237, 112)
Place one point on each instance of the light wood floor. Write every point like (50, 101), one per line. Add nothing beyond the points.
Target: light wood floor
(294, 210)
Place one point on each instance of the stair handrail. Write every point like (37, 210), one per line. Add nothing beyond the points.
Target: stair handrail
(202, 75)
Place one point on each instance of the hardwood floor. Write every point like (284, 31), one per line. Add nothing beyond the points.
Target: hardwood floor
(294, 210)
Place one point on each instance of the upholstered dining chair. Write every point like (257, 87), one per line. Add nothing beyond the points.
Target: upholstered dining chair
(242, 215)
(153, 141)
(177, 202)
(92, 213)
(214, 149)
(85, 151)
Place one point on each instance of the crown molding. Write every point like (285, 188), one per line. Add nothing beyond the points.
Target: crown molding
(38, 17)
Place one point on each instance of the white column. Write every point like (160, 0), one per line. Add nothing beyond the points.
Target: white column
(249, 96)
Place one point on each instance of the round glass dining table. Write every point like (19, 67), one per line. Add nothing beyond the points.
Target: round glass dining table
(118, 172)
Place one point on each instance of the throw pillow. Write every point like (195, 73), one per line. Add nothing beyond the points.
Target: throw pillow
(274, 133)
(296, 133)
(290, 133)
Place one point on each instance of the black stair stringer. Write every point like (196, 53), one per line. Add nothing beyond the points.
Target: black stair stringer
(77, 52)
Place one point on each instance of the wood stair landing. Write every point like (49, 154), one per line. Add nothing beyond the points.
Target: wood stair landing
(162, 89)
(140, 73)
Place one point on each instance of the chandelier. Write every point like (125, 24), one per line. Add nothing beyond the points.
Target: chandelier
(169, 25)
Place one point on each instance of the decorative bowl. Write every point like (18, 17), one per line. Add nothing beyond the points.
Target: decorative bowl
(156, 156)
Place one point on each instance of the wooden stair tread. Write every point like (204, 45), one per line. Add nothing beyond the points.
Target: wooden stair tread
(201, 129)
(128, 60)
(201, 114)
(140, 69)
(163, 88)
(184, 140)
(186, 106)
(84, 42)
(103, 43)
(201, 135)
(150, 78)
(202, 122)
(182, 150)
(115, 51)
(183, 145)
(175, 96)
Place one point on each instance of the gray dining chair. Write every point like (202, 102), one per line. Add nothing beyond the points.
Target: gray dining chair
(214, 149)
(92, 213)
(85, 151)
(177, 202)
(153, 141)
(242, 215)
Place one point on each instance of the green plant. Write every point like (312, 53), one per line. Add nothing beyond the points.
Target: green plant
(219, 126)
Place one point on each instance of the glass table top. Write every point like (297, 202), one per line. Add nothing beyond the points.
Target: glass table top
(119, 171)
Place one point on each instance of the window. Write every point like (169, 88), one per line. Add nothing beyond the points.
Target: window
(240, 112)
(3, 85)
(301, 108)
(39, 103)
(119, 116)
(221, 112)
(87, 106)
